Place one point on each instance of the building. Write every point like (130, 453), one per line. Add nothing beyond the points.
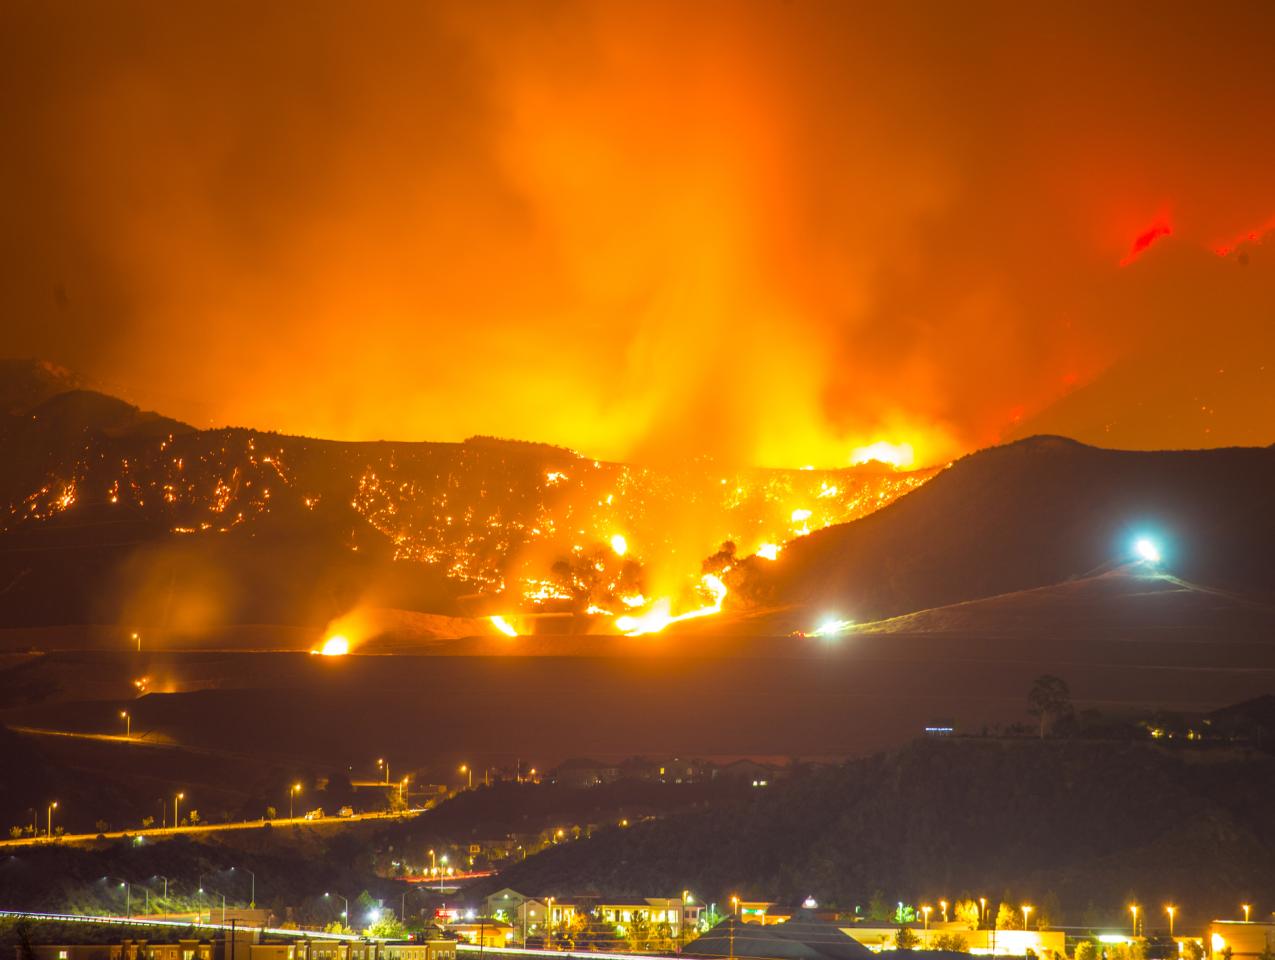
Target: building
(483, 931)
(1242, 938)
(581, 772)
(880, 936)
(761, 912)
(525, 913)
(656, 910)
(802, 938)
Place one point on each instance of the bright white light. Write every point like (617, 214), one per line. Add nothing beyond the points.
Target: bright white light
(503, 625)
(335, 646)
(768, 551)
(619, 545)
(1146, 550)
(832, 627)
(373, 915)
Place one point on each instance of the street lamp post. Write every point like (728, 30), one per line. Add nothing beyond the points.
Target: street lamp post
(1133, 909)
(548, 922)
(177, 799)
(1245, 907)
(1026, 910)
(943, 907)
(346, 912)
(468, 770)
(52, 807)
(252, 899)
(381, 763)
(982, 911)
(292, 792)
(1171, 911)
(128, 724)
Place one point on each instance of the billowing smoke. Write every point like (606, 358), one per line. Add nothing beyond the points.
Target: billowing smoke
(764, 231)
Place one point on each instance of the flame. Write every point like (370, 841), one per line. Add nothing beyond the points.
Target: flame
(503, 625)
(659, 616)
(619, 545)
(337, 645)
(769, 551)
(896, 455)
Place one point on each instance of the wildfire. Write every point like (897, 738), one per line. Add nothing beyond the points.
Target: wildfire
(336, 645)
(769, 551)
(659, 616)
(503, 625)
(897, 455)
(619, 545)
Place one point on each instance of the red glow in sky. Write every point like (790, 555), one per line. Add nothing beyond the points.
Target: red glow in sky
(1144, 240)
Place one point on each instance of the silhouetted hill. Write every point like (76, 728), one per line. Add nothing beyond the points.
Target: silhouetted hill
(1039, 512)
(26, 383)
(1132, 602)
(1093, 824)
(111, 515)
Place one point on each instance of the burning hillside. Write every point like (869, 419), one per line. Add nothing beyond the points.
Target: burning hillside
(519, 528)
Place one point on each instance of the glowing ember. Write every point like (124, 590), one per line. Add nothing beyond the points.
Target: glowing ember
(768, 551)
(659, 616)
(896, 455)
(619, 545)
(503, 625)
(335, 646)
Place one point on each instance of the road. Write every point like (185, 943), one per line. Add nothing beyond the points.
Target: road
(308, 934)
(73, 838)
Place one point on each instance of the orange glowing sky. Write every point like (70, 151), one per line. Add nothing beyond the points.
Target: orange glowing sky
(769, 231)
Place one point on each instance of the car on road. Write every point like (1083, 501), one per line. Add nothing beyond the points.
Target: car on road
(315, 814)
(345, 812)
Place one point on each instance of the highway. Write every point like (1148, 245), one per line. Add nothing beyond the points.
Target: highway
(309, 934)
(74, 838)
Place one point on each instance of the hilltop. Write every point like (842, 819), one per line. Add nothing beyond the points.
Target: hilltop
(1035, 513)
(1082, 824)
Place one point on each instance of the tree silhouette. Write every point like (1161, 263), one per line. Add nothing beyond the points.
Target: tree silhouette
(1049, 700)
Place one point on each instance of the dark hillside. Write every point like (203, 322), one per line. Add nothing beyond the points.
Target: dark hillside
(1086, 821)
(1039, 512)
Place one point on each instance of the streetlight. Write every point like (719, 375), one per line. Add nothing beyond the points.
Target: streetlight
(128, 724)
(381, 763)
(53, 806)
(548, 922)
(252, 900)
(925, 913)
(1246, 908)
(433, 865)
(402, 785)
(128, 894)
(1171, 911)
(943, 907)
(165, 879)
(223, 902)
(1026, 910)
(177, 799)
(466, 769)
(345, 913)
(292, 792)
(982, 910)
(1133, 908)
